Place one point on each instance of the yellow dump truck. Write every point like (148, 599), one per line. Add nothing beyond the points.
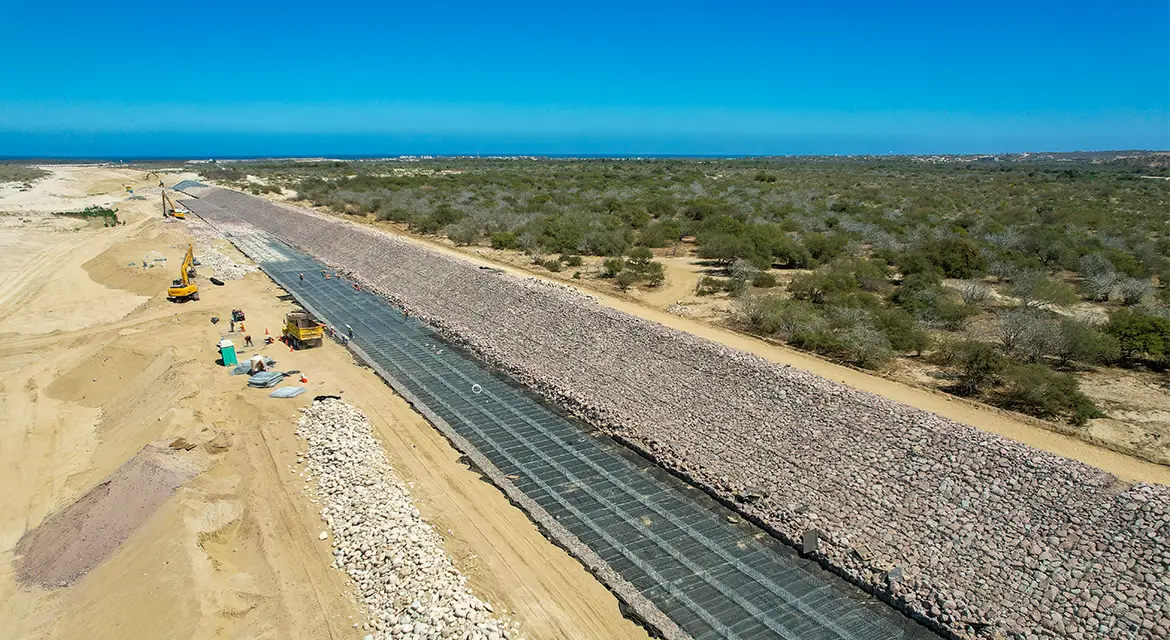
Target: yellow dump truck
(301, 331)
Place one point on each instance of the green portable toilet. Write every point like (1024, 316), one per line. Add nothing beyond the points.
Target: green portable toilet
(227, 351)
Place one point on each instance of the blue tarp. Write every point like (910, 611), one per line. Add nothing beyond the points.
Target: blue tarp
(287, 392)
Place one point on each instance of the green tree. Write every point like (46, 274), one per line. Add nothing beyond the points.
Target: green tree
(1140, 334)
(723, 248)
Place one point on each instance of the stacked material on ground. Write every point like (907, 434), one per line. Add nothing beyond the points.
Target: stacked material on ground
(79, 537)
(403, 575)
(212, 258)
(967, 529)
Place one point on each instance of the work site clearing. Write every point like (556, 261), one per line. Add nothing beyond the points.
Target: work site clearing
(153, 495)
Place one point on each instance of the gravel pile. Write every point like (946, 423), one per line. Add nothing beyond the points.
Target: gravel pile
(79, 537)
(224, 267)
(970, 531)
(404, 576)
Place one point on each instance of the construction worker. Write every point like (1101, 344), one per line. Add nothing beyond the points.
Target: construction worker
(248, 341)
(302, 277)
(232, 327)
(349, 330)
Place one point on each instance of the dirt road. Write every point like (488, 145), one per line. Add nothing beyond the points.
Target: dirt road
(95, 365)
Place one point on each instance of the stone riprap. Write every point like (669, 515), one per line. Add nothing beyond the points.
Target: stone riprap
(403, 575)
(210, 257)
(973, 532)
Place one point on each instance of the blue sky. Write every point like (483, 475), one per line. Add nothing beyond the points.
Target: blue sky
(599, 77)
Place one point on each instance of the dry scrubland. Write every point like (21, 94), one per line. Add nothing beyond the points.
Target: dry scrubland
(1036, 283)
(963, 527)
(168, 498)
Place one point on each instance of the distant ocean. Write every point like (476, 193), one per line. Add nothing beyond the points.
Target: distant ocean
(114, 146)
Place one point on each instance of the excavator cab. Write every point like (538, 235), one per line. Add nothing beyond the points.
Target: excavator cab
(184, 288)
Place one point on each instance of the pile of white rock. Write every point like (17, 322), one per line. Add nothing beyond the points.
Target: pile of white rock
(972, 532)
(210, 257)
(403, 575)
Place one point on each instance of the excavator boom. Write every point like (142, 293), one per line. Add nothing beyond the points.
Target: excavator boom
(170, 210)
(183, 288)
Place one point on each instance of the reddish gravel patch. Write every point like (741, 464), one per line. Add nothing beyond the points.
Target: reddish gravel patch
(75, 540)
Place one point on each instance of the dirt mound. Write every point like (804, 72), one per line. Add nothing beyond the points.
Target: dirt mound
(81, 536)
(120, 266)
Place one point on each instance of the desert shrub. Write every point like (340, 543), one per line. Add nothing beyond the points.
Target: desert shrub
(742, 272)
(1099, 286)
(1079, 341)
(819, 285)
(865, 347)
(612, 266)
(626, 279)
(900, 330)
(660, 233)
(707, 286)
(600, 243)
(790, 253)
(464, 233)
(571, 260)
(639, 258)
(977, 364)
(784, 318)
(1035, 289)
(764, 280)
(552, 264)
(1036, 390)
(441, 216)
(824, 247)
(654, 274)
(109, 217)
(10, 172)
(923, 295)
(954, 257)
(1135, 290)
(724, 248)
(1027, 334)
(973, 292)
(1140, 334)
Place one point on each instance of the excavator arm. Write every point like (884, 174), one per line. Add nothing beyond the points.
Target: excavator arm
(183, 288)
(169, 208)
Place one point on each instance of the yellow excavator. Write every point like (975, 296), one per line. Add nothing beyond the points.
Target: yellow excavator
(184, 289)
(170, 210)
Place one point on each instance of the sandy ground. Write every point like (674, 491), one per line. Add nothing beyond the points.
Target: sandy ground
(95, 365)
(701, 316)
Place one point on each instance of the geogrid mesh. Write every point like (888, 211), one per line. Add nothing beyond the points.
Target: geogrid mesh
(714, 579)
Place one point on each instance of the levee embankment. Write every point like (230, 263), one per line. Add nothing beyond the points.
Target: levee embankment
(970, 530)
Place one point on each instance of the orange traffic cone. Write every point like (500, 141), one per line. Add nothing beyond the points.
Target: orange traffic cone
(304, 379)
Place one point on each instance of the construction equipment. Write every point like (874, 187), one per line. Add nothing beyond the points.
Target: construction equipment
(184, 289)
(170, 210)
(301, 331)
